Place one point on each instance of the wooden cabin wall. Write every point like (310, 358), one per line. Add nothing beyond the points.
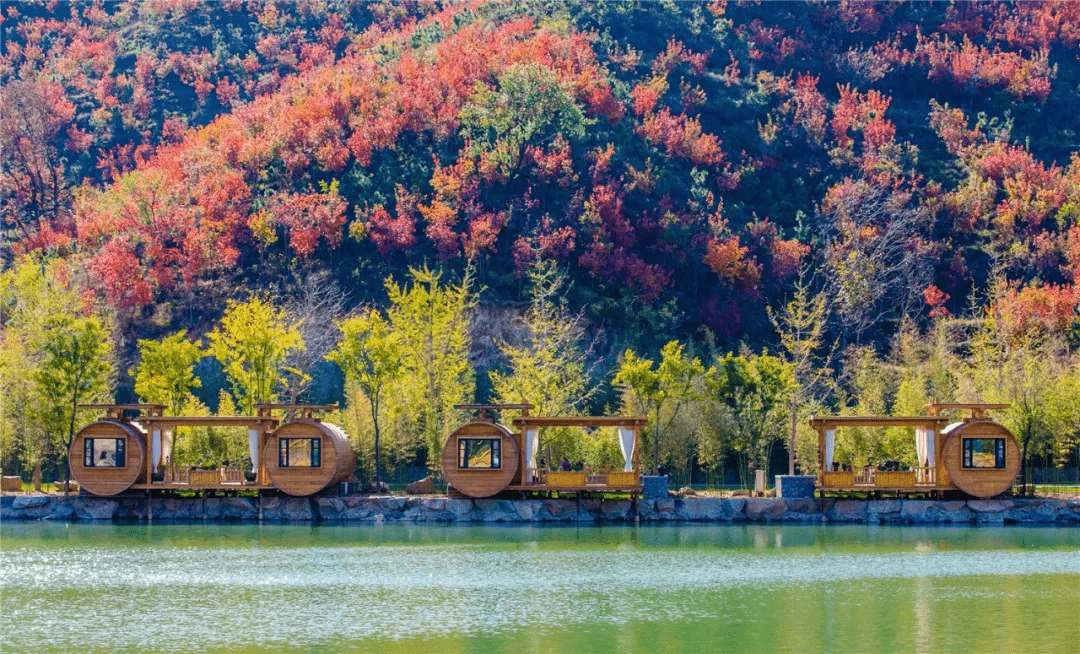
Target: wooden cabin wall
(980, 482)
(481, 482)
(109, 480)
(338, 461)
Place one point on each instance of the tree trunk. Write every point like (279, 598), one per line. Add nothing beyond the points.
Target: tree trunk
(656, 445)
(791, 444)
(70, 438)
(375, 424)
(37, 477)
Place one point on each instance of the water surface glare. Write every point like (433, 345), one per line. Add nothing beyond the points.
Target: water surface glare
(390, 588)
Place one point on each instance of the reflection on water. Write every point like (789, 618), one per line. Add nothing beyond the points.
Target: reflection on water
(538, 589)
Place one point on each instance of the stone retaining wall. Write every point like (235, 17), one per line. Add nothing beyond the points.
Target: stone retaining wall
(436, 509)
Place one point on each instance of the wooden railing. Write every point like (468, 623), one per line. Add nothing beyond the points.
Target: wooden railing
(184, 475)
(866, 477)
(925, 476)
(232, 475)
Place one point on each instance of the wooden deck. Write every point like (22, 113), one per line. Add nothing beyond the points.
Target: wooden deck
(560, 481)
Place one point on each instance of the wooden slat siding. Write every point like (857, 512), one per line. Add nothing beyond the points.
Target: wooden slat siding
(980, 482)
(337, 459)
(481, 482)
(837, 479)
(561, 479)
(109, 481)
(623, 479)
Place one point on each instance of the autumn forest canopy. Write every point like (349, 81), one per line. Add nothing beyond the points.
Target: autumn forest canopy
(844, 187)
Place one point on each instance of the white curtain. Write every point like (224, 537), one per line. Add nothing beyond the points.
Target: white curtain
(155, 447)
(626, 444)
(930, 436)
(830, 441)
(166, 445)
(920, 445)
(532, 444)
(253, 448)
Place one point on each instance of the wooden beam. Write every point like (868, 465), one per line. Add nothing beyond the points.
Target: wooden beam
(117, 410)
(211, 421)
(580, 421)
(877, 421)
(978, 410)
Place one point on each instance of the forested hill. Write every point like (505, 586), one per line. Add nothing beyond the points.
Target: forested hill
(686, 163)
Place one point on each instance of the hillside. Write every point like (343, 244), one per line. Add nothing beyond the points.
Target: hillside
(682, 161)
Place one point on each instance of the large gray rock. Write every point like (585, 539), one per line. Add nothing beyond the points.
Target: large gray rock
(489, 510)
(528, 510)
(231, 508)
(460, 508)
(845, 510)
(61, 508)
(735, 508)
(930, 512)
(560, 510)
(617, 510)
(699, 509)
(664, 509)
(173, 508)
(330, 508)
(87, 508)
(24, 502)
(765, 508)
(287, 508)
(878, 509)
(802, 510)
(1035, 510)
(30, 507)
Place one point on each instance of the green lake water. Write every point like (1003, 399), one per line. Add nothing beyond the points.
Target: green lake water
(390, 588)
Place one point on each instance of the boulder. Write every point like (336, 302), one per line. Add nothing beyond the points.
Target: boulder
(87, 508)
(171, 508)
(846, 511)
(60, 509)
(988, 506)
(617, 510)
(24, 502)
(460, 507)
(735, 508)
(287, 508)
(765, 508)
(425, 486)
(699, 509)
(664, 508)
(928, 512)
(559, 510)
(802, 509)
(528, 510)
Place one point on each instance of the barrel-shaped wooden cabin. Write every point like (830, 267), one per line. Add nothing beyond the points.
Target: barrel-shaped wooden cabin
(109, 456)
(975, 455)
(301, 456)
(483, 458)
(304, 456)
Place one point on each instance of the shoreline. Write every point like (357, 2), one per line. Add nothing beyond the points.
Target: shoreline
(428, 509)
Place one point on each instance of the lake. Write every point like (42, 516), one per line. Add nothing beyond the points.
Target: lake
(393, 588)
